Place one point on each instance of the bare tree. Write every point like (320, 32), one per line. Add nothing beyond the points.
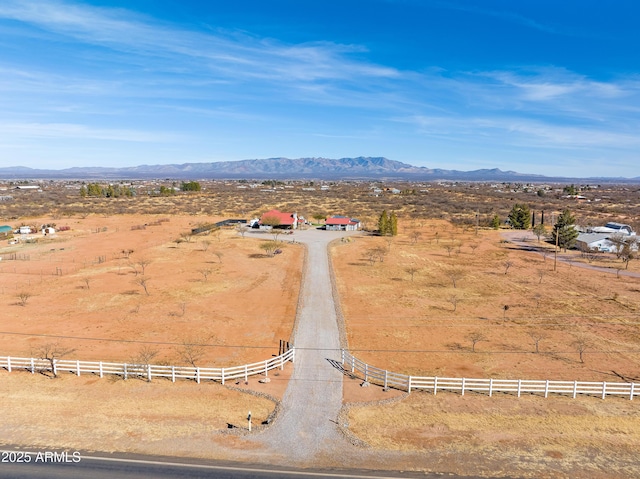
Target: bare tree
(507, 265)
(536, 337)
(186, 237)
(205, 245)
(412, 270)
(269, 247)
(371, 255)
(86, 282)
(205, 273)
(454, 300)
(581, 344)
(23, 297)
(52, 352)
(144, 282)
(449, 248)
(143, 263)
(273, 222)
(381, 252)
(415, 236)
(455, 275)
(241, 229)
(219, 255)
(541, 273)
(141, 363)
(126, 253)
(473, 247)
(389, 240)
(192, 350)
(475, 337)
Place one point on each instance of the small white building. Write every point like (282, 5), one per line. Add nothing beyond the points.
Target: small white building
(24, 230)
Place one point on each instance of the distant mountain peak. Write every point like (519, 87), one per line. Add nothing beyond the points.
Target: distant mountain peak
(361, 167)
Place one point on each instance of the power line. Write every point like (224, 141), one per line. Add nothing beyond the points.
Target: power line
(354, 350)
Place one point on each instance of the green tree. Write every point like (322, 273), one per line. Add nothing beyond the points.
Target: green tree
(539, 230)
(564, 231)
(190, 186)
(83, 191)
(383, 223)
(570, 190)
(393, 224)
(495, 222)
(520, 216)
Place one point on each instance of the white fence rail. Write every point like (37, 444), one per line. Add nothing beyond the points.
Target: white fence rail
(148, 371)
(516, 387)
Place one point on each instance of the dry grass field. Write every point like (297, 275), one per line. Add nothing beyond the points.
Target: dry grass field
(461, 284)
(114, 289)
(423, 325)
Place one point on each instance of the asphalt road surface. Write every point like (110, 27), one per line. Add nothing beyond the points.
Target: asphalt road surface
(140, 467)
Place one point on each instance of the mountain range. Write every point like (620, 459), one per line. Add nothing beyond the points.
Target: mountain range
(285, 168)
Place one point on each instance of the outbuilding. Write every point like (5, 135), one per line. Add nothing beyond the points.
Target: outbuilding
(342, 223)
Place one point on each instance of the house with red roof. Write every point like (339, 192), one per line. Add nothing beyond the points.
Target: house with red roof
(342, 223)
(280, 219)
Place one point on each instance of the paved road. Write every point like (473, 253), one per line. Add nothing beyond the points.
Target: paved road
(144, 467)
(305, 430)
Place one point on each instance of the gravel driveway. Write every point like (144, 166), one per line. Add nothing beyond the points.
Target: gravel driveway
(305, 429)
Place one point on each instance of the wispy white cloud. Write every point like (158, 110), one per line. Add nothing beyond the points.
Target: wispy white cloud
(82, 132)
(238, 55)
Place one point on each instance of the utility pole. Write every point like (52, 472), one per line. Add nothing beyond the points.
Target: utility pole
(555, 259)
(477, 214)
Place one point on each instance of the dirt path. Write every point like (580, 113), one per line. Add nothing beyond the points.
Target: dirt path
(525, 240)
(306, 431)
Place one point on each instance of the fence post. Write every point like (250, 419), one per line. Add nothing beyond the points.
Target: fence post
(54, 368)
(266, 369)
(9, 363)
(149, 372)
(409, 385)
(33, 366)
(575, 389)
(463, 381)
(366, 372)
(223, 376)
(198, 375)
(490, 387)
(604, 390)
(78, 367)
(125, 371)
(246, 374)
(631, 392)
(173, 374)
(100, 367)
(281, 362)
(519, 386)
(342, 356)
(435, 385)
(546, 388)
(293, 354)
(386, 374)
(353, 363)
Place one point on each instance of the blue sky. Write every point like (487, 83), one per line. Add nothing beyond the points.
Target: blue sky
(534, 86)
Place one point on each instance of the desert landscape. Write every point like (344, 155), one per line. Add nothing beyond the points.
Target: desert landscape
(447, 296)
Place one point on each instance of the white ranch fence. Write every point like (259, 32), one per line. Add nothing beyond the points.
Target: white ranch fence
(148, 371)
(516, 387)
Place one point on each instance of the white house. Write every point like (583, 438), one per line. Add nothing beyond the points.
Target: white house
(595, 241)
